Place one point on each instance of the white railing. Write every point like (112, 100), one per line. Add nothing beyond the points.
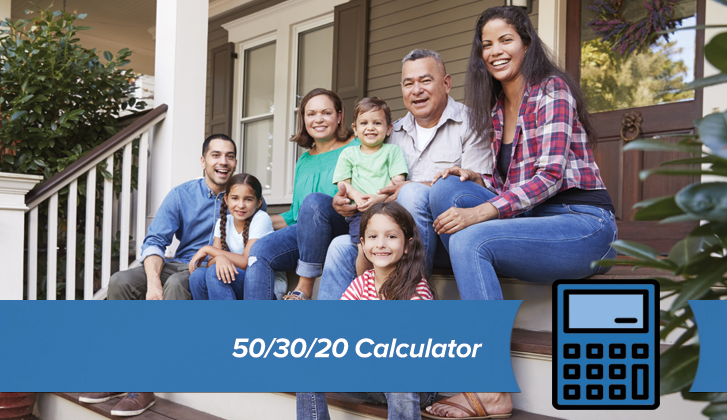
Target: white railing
(121, 211)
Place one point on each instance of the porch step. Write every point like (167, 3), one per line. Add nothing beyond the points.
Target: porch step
(379, 411)
(161, 410)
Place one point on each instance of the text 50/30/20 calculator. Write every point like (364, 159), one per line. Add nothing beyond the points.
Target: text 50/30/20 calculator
(606, 344)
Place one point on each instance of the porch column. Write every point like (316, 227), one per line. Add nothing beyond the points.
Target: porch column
(180, 73)
(13, 188)
(552, 25)
(5, 8)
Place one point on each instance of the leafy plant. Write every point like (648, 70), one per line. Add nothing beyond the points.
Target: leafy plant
(58, 100)
(701, 257)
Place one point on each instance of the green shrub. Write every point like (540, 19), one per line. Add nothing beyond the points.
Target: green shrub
(57, 99)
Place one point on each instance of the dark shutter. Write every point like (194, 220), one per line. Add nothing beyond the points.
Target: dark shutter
(223, 64)
(350, 52)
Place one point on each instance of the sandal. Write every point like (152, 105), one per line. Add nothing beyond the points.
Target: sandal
(295, 295)
(475, 404)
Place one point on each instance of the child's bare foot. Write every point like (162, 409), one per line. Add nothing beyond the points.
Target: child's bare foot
(495, 405)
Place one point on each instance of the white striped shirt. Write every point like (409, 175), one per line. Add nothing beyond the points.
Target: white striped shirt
(364, 288)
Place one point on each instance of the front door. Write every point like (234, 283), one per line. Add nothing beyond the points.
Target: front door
(626, 88)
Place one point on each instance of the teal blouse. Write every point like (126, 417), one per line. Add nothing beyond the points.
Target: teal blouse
(314, 174)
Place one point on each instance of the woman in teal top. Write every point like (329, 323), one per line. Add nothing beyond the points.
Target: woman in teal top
(320, 130)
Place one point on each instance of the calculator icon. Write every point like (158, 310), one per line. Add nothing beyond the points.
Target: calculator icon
(606, 344)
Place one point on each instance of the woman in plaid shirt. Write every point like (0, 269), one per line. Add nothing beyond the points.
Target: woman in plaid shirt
(544, 214)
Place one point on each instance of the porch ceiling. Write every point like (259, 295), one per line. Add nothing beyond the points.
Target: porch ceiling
(116, 25)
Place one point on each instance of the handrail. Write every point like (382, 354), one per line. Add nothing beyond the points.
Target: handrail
(43, 191)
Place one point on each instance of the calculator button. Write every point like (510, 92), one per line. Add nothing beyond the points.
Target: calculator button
(594, 371)
(572, 392)
(617, 351)
(572, 351)
(640, 382)
(617, 371)
(594, 351)
(617, 392)
(572, 371)
(640, 351)
(594, 392)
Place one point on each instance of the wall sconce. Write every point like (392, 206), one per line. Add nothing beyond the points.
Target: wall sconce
(526, 5)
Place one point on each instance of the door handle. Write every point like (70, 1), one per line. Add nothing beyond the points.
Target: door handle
(631, 125)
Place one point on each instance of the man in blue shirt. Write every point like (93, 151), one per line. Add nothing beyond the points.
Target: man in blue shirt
(188, 212)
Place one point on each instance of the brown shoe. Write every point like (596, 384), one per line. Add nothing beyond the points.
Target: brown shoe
(99, 397)
(134, 404)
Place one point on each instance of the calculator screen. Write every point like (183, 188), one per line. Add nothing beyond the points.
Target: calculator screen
(598, 311)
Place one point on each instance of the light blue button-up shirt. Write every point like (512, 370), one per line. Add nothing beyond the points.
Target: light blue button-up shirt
(189, 212)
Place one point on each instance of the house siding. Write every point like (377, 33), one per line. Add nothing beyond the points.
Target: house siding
(399, 26)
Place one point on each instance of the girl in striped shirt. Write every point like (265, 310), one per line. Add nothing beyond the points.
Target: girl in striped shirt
(391, 242)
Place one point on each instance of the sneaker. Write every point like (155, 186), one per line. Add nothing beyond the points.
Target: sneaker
(99, 397)
(134, 404)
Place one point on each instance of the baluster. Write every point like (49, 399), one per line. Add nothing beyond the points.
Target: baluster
(108, 189)
(125, 208)
(52, 248)
(141, 193)
(90, 234)
(33, 254)
(71, 241)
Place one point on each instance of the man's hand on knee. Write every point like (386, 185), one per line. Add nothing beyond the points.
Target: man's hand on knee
(154, 292)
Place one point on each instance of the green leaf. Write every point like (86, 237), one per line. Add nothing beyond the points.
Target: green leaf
(657, 209)
(706, 200)
(685, 251)
(716, 51)
(675, 323)
(677, 369)
(107, 55)
(17, 115)
(705, 82)
(697, 287)
(705, 396)
(692, 161)
(645, 255)
(681, 219)
(657, 145)
(82, 16)
(716, 411)
(643, 175)
(713, 133)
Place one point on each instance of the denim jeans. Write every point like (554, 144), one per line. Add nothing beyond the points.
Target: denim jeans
(402, 405)
(318, 224)
(547, 243)
(204, 285)
(277, 251)
(340, 264)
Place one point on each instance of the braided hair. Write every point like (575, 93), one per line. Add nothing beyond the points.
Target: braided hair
(255, 187)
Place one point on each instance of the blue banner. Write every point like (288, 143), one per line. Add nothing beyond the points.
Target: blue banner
(712, 371)
(263, 346)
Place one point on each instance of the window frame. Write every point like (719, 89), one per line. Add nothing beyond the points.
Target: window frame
(283, 24)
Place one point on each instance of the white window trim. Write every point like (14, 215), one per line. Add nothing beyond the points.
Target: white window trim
(281, 23)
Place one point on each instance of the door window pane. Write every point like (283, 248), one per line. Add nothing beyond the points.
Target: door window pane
(315, 60)
(259, 151)
(259, 80)
(612, 81)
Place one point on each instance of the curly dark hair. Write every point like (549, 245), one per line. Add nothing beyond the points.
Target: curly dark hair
(409, 271)
(482, 90)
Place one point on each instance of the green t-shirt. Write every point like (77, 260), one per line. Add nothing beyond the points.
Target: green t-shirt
(370, 173)
(314, 174)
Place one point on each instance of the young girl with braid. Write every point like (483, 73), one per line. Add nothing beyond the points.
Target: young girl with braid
(235, 233)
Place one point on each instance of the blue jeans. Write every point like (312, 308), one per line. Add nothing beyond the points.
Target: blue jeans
(277, 251)
(402, 405)
(340, 266)
(204, 285)
(547, 243)
(318, 224)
